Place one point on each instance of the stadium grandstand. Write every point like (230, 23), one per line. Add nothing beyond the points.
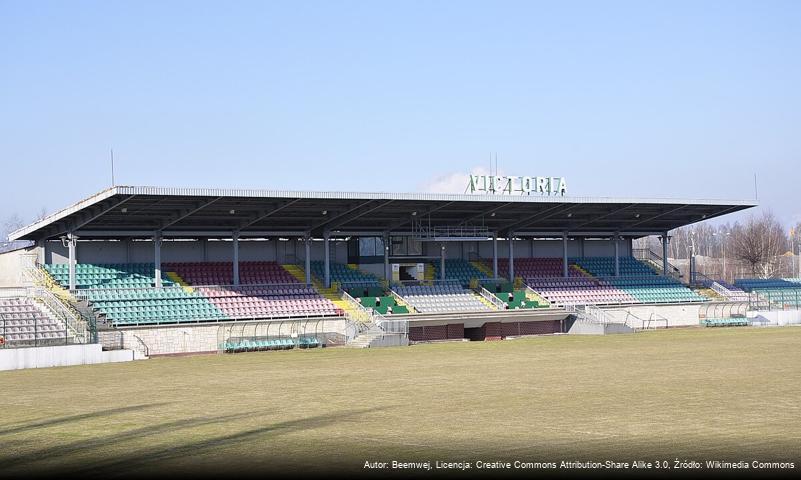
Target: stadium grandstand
(175, 270)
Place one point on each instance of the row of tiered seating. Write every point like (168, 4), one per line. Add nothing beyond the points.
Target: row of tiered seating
(638, 280)
(441, 298)
(459, 270)
(153, 306)
(750, 284)
(269, 301)
(579, 291)
(605, 266)
(376, 298)
(222, 273)
(108, 289)
(25, 323)
(343, 274)
(782, 291)
(534, 268)
(126, 275)
(514, 299)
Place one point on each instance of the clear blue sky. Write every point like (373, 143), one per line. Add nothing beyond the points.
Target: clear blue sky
(658, 99)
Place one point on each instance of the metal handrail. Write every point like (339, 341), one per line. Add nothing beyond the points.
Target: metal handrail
(73, 322)
(492, 298)
(365, 313)
(399, 299)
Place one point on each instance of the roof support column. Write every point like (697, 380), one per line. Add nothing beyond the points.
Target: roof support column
(387, 272)
(327, 263)
(235, 242)
(511, 257)
(665, 242)
(442, 262)
(616, 239)
(307, 258)
(157, 258)
(495, 255)
(565, 271)
(72, 244)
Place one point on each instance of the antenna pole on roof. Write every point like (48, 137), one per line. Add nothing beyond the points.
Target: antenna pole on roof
(112, 168)
(756, 192)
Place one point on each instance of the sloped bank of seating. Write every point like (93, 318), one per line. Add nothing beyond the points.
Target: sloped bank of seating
(25, 323)
(638, 280)
(579, 291)
(123, 294)
(115, 275)
(441, 298)
(343, 274)
(269, 301)
(781, 291)
(148, 306)
(222, 273)
(460, 271)
(529, 268)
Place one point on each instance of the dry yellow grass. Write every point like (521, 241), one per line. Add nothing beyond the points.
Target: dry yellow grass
(693, 393)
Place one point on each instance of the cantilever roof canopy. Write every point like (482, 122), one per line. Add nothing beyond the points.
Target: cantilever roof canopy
(198, 212)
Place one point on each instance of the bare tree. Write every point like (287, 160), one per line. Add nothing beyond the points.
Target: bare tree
(14, 222)
(41, 215)
(759, 243)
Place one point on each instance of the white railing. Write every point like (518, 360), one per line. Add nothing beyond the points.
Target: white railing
(392, 326)
(402, 301)
(13, 292)
(74, 322)
(729, 294)
(492, 298)
(363, 314)
(655, 317)
(590, 314)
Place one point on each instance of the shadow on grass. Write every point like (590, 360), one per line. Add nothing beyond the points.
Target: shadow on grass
(127, 465)
(87, 445)
(77, 418)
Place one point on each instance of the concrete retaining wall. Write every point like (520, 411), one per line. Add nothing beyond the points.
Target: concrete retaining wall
(199, 338)
(60, 356)
(587, 328)
(776, 317)
(677, 315)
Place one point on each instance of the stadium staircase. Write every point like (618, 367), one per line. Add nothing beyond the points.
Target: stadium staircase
(535, 297)
(78, 310)
(332, 293)
(180, 281)
(583, 271)
(486, 270)
(296, 272)
(428, 274)
(709, 293)
(367, 337)
(401, 302)
(486, 302)
(654, 261)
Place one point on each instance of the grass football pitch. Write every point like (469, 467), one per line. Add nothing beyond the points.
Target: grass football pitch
(695, 394)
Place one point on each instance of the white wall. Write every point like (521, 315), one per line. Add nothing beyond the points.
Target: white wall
(679, 315)
(11, 274)
(198, 338)
(60, 356)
